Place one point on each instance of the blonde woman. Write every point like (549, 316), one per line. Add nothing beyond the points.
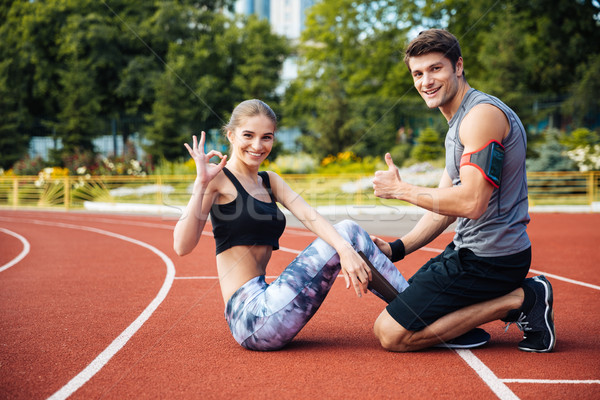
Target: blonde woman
(247, 225)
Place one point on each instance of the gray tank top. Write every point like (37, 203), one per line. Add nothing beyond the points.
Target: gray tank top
(501, 230)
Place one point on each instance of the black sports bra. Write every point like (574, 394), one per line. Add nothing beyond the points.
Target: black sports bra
(246, 220)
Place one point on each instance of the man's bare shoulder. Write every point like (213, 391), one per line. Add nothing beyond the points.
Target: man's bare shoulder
(483, 123)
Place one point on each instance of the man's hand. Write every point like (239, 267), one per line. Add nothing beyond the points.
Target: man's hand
(386, 184)
(383, 246)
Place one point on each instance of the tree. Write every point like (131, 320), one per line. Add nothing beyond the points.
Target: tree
(90, 51)
(584, 102)
(74, 65)
(12, 145)
(217, 64)
(29, 74)
(352, 82)
(259, 57)
(527, 53)
(429, 146)
(63, 60)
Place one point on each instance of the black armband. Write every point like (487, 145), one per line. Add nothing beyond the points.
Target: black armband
(488, 160)
(398, 250)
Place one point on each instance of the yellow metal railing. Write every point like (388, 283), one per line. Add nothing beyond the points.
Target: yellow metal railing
(579, 188)
(71, 192)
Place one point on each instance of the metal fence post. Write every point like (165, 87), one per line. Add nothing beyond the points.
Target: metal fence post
(67, 193)
(592, 188)
(159, 189)
(15, 194)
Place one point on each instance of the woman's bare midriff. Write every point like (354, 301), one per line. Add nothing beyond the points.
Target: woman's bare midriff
(239, 264)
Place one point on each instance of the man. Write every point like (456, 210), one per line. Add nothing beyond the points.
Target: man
(480, 276)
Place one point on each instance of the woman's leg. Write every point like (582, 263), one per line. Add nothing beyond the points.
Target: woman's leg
(270, 317)
(361, 241)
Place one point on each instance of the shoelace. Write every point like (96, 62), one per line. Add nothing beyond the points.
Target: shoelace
(520, 322)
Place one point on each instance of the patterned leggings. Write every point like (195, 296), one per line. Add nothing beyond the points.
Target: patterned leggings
(265, 316)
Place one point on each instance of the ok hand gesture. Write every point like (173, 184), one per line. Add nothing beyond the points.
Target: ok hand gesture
(204, 170)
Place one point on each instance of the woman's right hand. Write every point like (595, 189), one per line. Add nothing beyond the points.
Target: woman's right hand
(205, 171)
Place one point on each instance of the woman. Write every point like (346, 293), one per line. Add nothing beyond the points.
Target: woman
(247, 225)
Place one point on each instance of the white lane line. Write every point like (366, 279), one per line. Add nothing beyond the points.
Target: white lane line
(496, 385)
(121, 221)
(561, 278)
(553, 381)
(432, 249)
(486, 374)
(22, 254)
(216, 277)
(290, 250)
(197, 277)
(299, 232)
(535, 271)
(102, 359)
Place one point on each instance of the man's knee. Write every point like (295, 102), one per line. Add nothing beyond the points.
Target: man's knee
(392, 336)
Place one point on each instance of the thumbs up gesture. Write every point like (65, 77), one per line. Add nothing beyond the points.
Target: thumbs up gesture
(386, 184)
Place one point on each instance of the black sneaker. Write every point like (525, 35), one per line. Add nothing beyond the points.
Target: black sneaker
(538, 323)
(474, 338)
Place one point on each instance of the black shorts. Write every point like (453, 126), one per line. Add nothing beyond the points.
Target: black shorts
(454, 280)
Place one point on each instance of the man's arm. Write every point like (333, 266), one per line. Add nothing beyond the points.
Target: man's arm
(469, 199)
(430, 226)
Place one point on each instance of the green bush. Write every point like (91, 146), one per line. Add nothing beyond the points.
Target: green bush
(400, 153)
(428, 146)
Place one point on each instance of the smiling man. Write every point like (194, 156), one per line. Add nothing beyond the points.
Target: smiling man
(481, 275)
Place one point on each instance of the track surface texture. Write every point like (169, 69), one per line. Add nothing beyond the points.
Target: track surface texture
(98, 306)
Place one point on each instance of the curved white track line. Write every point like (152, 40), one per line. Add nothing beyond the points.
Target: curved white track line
(22, 254)
(496, 384)
(102, 359)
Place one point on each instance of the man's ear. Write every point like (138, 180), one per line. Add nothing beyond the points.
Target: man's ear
(459, 67)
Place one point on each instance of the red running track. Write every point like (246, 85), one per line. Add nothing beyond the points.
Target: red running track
(99, 306)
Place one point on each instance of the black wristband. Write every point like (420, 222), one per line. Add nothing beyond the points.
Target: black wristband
(398, 250)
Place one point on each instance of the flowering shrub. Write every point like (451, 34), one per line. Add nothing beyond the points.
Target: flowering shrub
(83, 163)
(344, 158)
(118, 166)
(300, 163)
(50, 173)
(166, 167)
(80, 160)
(190, 165)
(587, 158)
(53, 173)
(28, 166)
(348, 163)
(52, 187)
